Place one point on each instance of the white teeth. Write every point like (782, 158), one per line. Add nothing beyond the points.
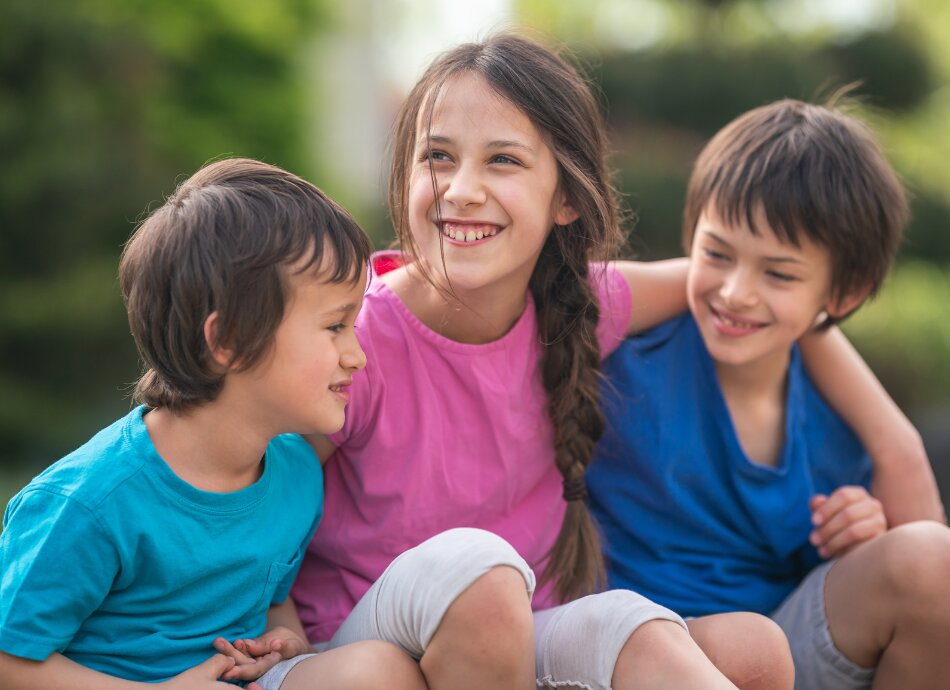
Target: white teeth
(493, 232)
(470, 237)
(479, 235)
(460, 235)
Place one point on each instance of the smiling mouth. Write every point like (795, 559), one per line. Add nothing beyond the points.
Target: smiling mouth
(468, 232)
(736, 324)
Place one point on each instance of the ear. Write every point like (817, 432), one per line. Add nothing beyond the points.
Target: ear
(847, 304)
(565, 215)
(220, 355)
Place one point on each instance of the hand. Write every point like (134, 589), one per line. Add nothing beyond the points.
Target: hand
(254, 657)
(850, 516)
(205, 676)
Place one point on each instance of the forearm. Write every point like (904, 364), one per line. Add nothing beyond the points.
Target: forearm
(658, 289)
(57, 673)
(285, 615)
(903, 479)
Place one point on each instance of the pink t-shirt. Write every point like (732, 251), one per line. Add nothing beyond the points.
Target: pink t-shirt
(439, 434)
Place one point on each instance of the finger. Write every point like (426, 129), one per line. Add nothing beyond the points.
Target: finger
(836, 502)
(855, 512)
(855, 534)
(215, 667)
(816, 502)
(225, 647)
(255, 647)
(255, 669)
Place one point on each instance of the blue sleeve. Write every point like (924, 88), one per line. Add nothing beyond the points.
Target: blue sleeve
(56, 567)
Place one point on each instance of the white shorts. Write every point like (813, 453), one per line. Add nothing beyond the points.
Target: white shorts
(576, 645)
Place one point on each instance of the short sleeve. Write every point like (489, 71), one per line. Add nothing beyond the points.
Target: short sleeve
(56, 568)
(615, 302)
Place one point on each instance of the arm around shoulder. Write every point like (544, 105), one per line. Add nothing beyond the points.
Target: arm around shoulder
(657, 289)
(903, 478)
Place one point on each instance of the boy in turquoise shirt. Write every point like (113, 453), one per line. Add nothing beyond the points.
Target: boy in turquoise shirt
(723, 481)
(182, 525)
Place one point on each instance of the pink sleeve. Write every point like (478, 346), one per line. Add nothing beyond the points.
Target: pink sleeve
(615, 301)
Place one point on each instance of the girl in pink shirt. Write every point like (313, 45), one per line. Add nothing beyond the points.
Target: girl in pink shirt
(478, 407)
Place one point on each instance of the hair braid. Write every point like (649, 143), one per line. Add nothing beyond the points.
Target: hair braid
(567, 320)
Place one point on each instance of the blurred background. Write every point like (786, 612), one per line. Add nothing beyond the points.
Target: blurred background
(106, 104)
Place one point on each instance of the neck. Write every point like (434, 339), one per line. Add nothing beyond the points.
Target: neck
(755, 396)
(208, 447)
(466, 316)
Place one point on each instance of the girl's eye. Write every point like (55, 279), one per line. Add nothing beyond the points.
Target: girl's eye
(433, 155)
(507, 160)
(337, 327)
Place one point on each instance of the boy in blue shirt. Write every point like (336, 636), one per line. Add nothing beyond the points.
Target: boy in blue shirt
(723, 481)
(182, 525)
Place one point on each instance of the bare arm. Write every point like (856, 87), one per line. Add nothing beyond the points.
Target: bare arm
(658, 289)
(903, 479)
(59, 673)
(322, 446)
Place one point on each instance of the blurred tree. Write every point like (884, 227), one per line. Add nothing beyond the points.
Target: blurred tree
(103, 105)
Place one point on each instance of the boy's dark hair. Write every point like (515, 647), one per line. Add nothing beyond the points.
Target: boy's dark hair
(815, 172)
(559, 102)
(223, 242)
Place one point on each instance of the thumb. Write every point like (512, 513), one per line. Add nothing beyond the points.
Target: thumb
(214, 667)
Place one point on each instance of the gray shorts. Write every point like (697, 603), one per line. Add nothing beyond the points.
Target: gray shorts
(576, 644)
(819, 665)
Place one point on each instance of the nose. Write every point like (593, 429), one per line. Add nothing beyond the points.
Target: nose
(465, 186)
(738, 289)
(352, 356)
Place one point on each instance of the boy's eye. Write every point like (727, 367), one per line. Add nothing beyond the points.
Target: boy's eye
(782, 277)
(715, 255)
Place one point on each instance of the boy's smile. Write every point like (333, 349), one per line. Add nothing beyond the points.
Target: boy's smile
(753, 295)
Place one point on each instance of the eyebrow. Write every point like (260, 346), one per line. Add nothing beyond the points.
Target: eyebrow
(770, 259)
(495, 144)
(342, 309)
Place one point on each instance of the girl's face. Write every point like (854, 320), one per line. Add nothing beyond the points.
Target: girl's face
(497, 183)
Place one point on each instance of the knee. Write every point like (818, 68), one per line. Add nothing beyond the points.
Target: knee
(372, 664)
(915, 561)
(751, 650)
(497, 607)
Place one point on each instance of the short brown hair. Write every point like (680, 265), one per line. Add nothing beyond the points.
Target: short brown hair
(222, 243)
(815, 171)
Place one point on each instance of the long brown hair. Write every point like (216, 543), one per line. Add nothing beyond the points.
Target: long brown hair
(559, 102)
(224, 242)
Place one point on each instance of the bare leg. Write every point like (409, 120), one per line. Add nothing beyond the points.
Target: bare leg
(887, 606)
(662, 655)
(369, 665)
(749, 649)
(486, 638)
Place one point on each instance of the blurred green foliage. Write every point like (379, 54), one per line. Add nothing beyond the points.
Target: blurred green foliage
(104, 104)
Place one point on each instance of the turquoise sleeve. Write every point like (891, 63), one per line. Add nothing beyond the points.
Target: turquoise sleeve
(56, 567)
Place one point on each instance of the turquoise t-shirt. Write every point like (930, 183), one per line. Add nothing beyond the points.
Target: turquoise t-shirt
(110, 559)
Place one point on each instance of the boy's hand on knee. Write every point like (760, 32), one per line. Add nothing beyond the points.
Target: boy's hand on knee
(246, 666)
(848, 517)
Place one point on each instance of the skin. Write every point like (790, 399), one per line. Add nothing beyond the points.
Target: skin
(495, 175)
(218, 446)
(753, 297)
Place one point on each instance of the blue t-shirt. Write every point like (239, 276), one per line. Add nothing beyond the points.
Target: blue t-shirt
(112, 560)
(688, 520)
